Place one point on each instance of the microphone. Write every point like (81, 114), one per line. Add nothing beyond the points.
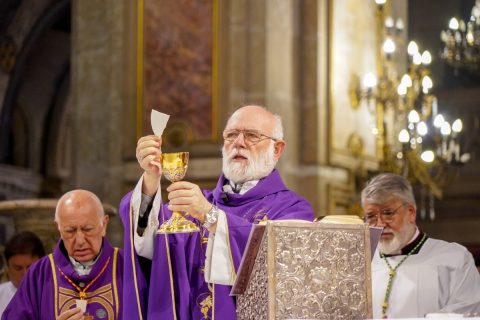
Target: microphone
(225, 197)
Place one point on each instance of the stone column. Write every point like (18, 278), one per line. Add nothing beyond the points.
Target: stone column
(104, 92)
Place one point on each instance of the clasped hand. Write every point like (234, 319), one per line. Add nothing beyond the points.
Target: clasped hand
(187, 197)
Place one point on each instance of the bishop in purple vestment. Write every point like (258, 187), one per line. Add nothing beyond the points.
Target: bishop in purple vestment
(83, 266)
(189, 275)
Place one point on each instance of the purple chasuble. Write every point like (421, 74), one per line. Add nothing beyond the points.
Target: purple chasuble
(177, 287)
(44, 292)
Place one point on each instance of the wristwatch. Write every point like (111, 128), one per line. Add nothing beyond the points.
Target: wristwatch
(211, 217)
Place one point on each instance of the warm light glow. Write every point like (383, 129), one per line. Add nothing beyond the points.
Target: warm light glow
(464, 158)
(443, 36)
(453, 24)
(406, 80)
(422, 128)
(403, 136)
(428, 156)
(445, 130)
(401, 89)
(458, 37)
(426, 57)
(389, 46)
(438, 121)
(475, 12)
(413, 116)
(389, 22)
(457, 126)
(417, 58)
(434, 107)
(380, 2)
(427, 84)
(370, 80)
(470, 38)
(413, 143)
(399, 25)
(374, 131)
(412, 48)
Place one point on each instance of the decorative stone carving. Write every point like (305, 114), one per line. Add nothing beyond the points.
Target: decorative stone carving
(18, 183)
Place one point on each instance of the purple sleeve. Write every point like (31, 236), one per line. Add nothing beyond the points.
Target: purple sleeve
(34, 293)
(135, 269)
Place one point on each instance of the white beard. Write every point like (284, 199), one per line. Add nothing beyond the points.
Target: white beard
(254, 169)
(400, 238)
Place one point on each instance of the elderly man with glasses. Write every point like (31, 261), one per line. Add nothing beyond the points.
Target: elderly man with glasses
(189, 275)
(412, 274)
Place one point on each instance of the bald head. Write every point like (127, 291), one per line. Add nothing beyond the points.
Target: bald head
(78, 202)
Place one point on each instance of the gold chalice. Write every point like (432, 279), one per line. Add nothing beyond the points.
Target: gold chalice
(174, 167)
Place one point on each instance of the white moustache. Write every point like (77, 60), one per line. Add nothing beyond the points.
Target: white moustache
(238, 152)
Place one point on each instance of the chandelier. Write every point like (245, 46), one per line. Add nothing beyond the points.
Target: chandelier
(413, 137)
(461, 42)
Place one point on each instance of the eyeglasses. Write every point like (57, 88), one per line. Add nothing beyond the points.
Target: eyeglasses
(387, 216)
(251, 137)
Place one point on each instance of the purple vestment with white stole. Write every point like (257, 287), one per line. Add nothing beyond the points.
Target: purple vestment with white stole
(173, 286)
(45, 292)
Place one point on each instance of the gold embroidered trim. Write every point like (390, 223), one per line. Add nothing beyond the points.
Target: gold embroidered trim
(132, 253)
(229, 247)
(55, 286)
(206, 304)
(82, 293)
(114, 280)
(172, 291)
(102, 296)
(213, 298)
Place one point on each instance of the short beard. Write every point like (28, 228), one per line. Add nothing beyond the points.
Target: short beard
(255, 169)
(400, 239)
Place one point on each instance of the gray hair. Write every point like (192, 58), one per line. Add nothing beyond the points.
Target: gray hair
(277, 132)
(278, 128)
(386, 186)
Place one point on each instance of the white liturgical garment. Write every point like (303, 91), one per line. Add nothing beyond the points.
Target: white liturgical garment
(7, 290)
(442, 277)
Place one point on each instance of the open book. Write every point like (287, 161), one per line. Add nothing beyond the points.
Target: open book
(348, 219)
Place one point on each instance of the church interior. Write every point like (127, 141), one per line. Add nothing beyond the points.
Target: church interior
(363, 87)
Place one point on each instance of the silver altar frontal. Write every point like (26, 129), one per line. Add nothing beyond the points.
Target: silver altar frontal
(303, 270)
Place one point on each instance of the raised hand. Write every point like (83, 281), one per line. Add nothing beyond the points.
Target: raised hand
(148, 150)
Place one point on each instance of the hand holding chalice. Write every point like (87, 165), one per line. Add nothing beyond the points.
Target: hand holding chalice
(174, 167)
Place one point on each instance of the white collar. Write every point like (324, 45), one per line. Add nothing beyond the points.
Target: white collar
(230, 187)
(83, 268)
